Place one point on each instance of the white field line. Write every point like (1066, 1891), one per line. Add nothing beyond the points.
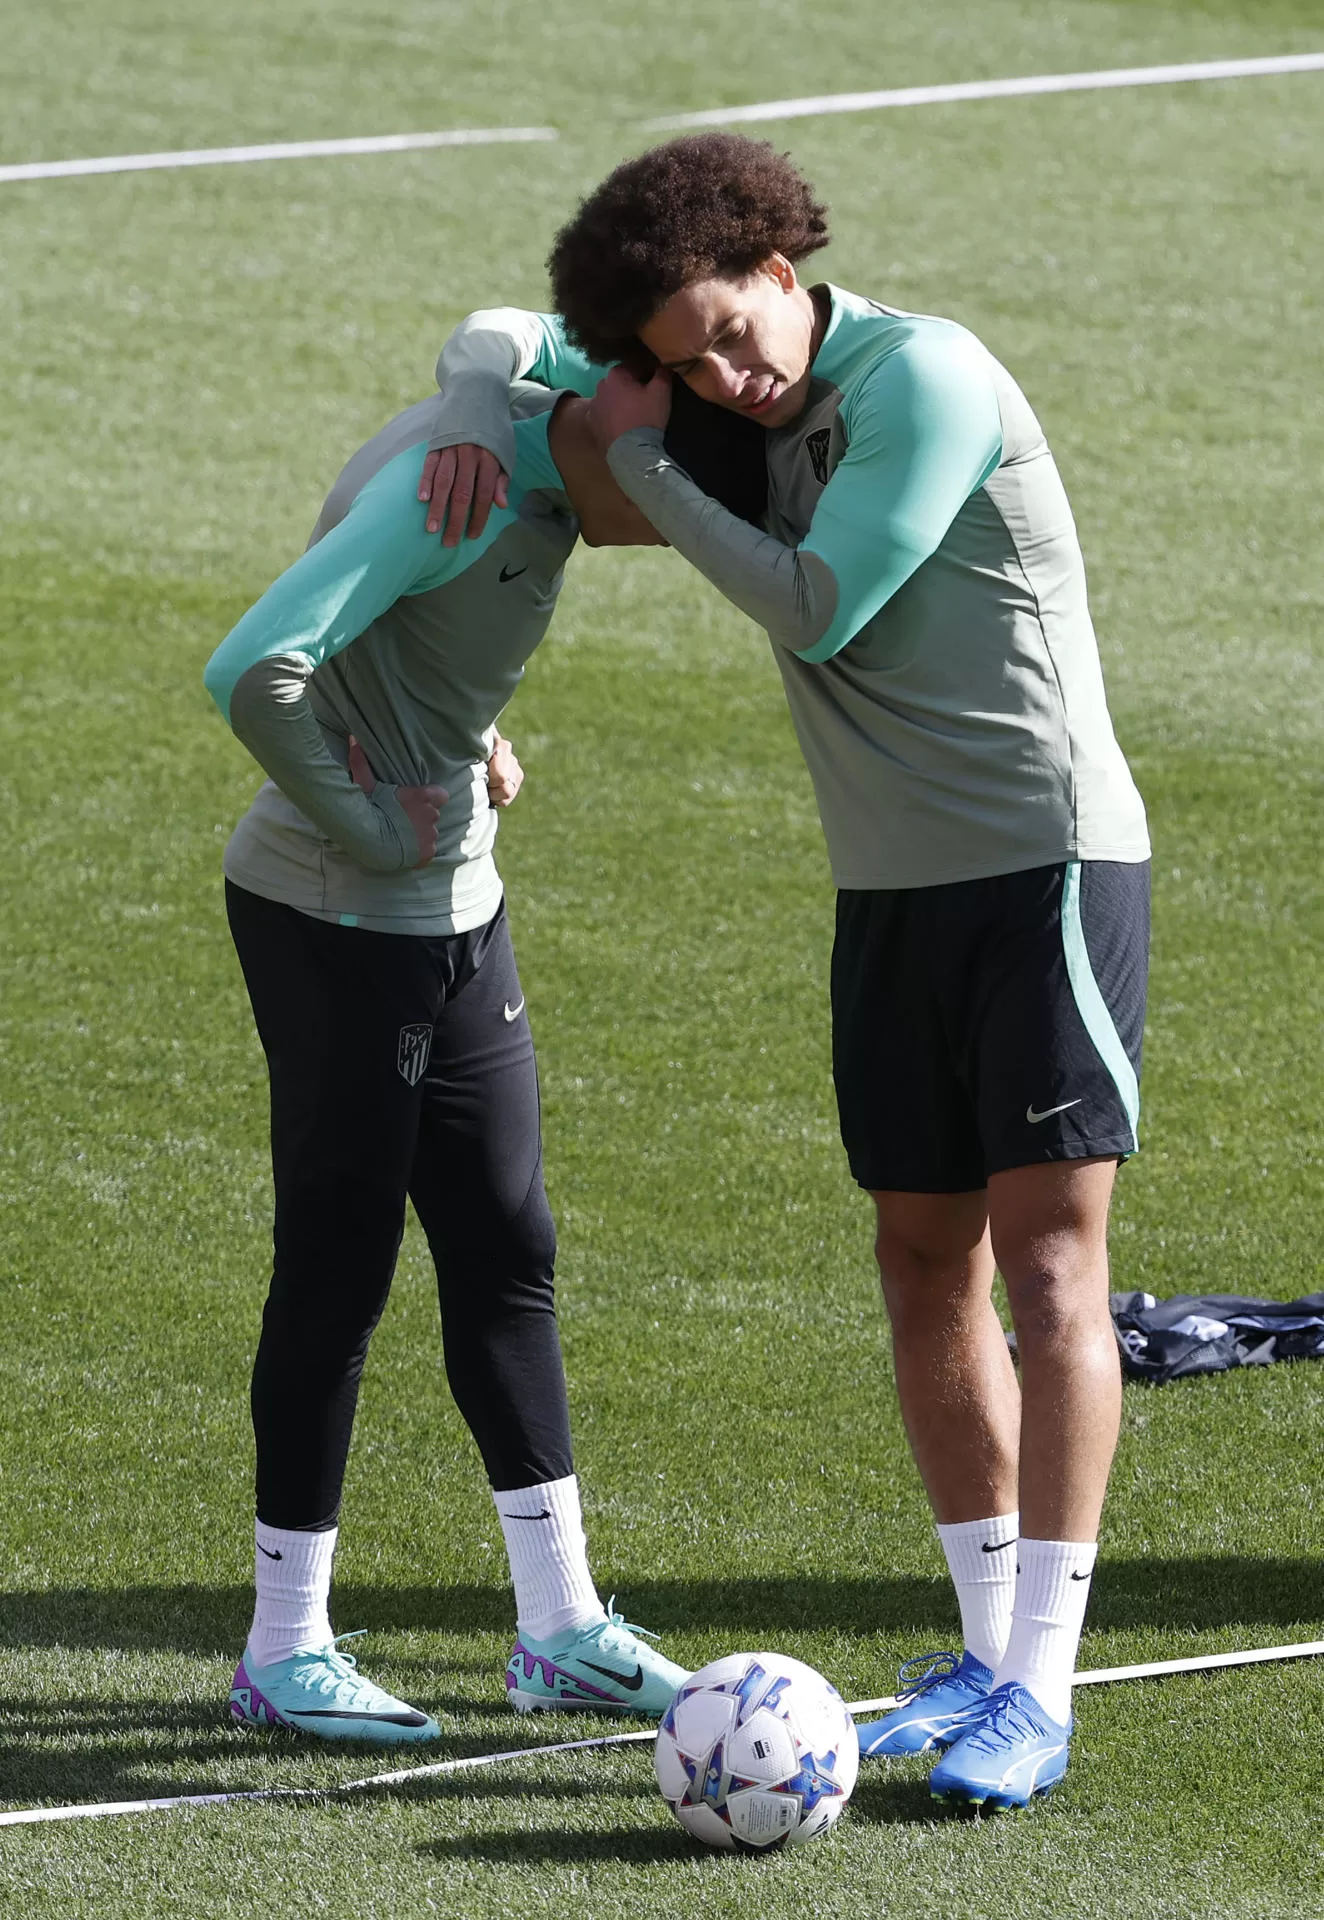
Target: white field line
(992, 90)
(30, 1816)
(285, 150)
(1097, 1676)
(712, 117)
(1199, 1663)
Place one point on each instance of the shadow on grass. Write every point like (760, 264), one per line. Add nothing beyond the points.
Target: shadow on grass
(131, 1745)
(85, 1750)
(878, 1801)
(522, 1847)
(881, 1800)
(1197, 1594)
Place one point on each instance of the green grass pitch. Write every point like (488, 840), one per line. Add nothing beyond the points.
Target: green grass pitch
(186, 358)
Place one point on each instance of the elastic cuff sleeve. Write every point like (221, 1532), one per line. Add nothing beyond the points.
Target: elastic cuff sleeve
(475, 411)
(385, 801)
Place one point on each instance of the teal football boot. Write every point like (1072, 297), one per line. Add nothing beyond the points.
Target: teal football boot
(603, 1668)
(320, 1691)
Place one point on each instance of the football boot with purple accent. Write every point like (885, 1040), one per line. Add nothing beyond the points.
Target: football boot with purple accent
(939, 1694)
(321, 1691)
(603, 1668)
(1012, 1752)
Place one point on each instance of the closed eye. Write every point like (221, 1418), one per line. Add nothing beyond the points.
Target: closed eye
(726, 338)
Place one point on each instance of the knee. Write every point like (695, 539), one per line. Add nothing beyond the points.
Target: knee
(1056, 1299)
(335, 1224)
(531, 1239)
(1049, 1232)
(497, 1257)
(905, 1260)
(919, 1276)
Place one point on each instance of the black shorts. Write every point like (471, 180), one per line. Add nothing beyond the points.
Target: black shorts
(989, 1024)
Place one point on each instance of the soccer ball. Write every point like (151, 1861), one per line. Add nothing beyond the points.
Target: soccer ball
(756, 1751)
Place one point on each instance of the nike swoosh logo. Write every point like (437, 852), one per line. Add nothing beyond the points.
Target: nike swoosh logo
(512, 573)
(631, 1681)
(408, 1719)
(1001, 1546)
(513, 1013)
(546, 1514)
(1034, 1118)
(1080, 1576)
(267, 1550)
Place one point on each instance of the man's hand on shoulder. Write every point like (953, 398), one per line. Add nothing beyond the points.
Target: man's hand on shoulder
(421, 805)
(622, 402)
(460, 485)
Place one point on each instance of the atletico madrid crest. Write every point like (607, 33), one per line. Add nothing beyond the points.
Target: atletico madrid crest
(817, 444)
(413, 1053)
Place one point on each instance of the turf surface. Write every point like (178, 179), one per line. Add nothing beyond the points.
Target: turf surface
(188, 357)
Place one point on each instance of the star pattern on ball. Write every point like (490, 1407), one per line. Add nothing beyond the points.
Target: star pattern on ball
(755, 1690)
(815, 1781)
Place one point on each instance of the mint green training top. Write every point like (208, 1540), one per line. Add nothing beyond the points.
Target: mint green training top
(920, 577)
(414, 648)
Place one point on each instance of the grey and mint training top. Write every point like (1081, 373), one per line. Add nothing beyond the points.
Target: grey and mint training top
(414, 648)
(919, 576)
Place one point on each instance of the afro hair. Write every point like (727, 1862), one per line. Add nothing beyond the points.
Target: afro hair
(710, 206)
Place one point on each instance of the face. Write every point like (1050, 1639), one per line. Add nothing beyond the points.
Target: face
(745, 344)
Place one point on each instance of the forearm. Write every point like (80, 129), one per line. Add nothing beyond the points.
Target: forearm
(269, 711)
(791, 594)
(923, 430)
(485, 353)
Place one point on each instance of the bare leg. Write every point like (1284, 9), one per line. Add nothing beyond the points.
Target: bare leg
(955, 1380)
(1049, 1235)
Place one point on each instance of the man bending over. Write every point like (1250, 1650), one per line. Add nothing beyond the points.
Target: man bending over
(370, 924)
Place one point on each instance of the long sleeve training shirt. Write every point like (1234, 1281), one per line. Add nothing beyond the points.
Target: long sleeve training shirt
(414, 648)
(920, 578)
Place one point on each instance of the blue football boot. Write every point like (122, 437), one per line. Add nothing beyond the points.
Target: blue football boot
(1012, 1752)
(938, 1695)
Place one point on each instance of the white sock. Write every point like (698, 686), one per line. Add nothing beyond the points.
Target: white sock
(293, 1587)
(1052, 1589)
(554, 1589)
(981, 1557)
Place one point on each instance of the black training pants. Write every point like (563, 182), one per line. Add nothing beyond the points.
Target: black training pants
(400, 1065)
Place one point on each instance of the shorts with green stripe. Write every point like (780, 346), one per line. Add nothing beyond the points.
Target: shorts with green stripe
(990, 1024)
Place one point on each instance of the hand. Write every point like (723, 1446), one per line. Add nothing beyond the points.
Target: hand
(461, 483)
(422, 805)
(505, 775)
(622, 402)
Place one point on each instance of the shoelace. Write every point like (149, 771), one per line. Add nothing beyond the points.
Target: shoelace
(927, 1670)
(1005, 1723)
(340, 1676)
(616, 1626)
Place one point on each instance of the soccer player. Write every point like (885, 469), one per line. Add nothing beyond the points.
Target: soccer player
(370, 924)
(919, 575)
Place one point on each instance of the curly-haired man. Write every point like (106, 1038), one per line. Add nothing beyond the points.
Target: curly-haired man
(918, 573)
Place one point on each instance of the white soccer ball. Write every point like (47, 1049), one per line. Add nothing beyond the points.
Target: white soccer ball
(756, 1751)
